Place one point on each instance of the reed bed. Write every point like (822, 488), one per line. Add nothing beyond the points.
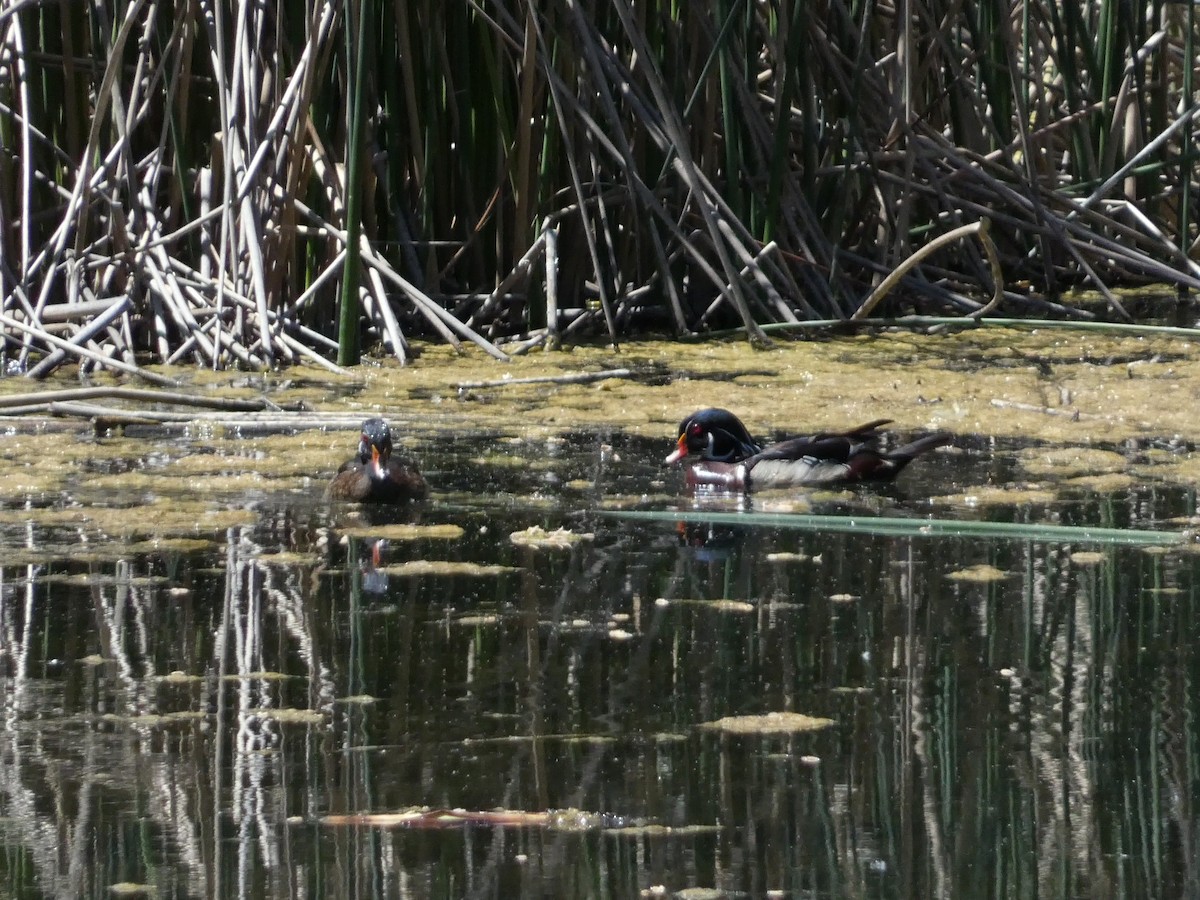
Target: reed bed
(229, 184)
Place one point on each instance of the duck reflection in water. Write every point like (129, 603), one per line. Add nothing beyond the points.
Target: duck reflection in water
(709, 542)
(374, 579)
(381, 481)
(369, 555)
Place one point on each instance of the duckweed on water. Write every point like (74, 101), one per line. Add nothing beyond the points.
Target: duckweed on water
(475, 621)
(417, 567)
(180, 678)
(729, 606)
(1174, 467)
(154, 720)
(539, 538)
(700, 893)
(986, 495)
(49, 552)
(154, 522)
(785, 557)
(96, 578)
(504, 461)
(769, 723)
(132, 889)
(443, 532)
(1071, 461)
(1104, 484)
(287, 559)
(948, 381)
(288, 716)
(172, 545)
(796, 505)
(1056, 386)
(980, 574)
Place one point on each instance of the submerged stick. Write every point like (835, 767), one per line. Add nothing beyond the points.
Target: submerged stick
(116, 415)
(1071, 413)
(573, 378)
(140, 394)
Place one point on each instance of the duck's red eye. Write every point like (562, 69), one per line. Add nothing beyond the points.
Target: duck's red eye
(696, 428)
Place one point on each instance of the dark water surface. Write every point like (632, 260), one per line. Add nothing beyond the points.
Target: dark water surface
(186, 717)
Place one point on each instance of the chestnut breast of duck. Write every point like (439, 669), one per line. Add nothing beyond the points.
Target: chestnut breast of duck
(374, 475)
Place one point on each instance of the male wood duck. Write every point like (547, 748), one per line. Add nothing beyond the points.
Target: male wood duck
(373, 476)
(723, 454)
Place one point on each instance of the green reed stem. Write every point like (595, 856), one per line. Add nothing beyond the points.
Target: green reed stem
(1186, 160)
(348, 338)
(966, 323)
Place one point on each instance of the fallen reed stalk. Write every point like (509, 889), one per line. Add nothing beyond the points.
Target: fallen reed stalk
(569, 378)
(175, 398)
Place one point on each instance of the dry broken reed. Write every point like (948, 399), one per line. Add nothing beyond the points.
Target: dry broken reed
(257, 185)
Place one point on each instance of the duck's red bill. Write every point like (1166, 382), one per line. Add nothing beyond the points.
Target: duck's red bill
(680, 451)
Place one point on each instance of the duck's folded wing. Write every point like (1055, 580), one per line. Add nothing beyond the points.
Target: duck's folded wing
(865, 432)
(820, 459)
(827, 447)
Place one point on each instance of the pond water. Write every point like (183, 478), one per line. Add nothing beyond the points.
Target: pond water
(219, 711)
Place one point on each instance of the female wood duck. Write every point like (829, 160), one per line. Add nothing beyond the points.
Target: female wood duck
(724, 455)
(373, 476)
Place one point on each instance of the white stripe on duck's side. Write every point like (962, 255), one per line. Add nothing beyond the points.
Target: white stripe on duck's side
(720, 476)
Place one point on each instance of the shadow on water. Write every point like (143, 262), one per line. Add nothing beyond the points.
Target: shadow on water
(187, 714)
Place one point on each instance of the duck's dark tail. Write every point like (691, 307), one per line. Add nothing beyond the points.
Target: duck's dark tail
(862, 433)
(902, 456)
(869, 464)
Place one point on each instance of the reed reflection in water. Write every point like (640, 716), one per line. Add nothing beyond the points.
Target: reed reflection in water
(1010, 717)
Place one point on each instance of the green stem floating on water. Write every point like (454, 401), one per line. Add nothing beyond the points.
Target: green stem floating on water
(967, 323)
(891, 526)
